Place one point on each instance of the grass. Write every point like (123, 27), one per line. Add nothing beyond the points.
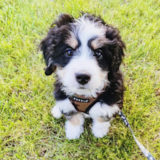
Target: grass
(27, 129)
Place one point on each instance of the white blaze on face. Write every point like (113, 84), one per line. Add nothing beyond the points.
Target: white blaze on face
(88, 29)
(84, 63)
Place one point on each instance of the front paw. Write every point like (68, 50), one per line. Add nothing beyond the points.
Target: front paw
(73, 132)
(56, 112)
(100, 129)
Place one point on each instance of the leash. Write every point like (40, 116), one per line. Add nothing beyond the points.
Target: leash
(142, 148)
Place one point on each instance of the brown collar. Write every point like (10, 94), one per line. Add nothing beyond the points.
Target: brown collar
(83, 104)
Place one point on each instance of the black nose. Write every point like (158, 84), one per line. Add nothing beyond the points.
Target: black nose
(82, 78)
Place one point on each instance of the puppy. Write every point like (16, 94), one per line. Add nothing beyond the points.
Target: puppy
(85, 54)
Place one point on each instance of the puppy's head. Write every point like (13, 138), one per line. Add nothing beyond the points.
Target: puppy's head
(82, 52)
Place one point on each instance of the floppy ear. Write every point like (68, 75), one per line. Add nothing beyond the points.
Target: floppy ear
(115, 46)
(48, 44)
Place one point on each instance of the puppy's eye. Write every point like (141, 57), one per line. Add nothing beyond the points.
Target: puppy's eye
(69, 52)
(98, 54)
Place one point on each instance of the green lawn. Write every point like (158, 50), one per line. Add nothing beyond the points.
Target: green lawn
(27, 129)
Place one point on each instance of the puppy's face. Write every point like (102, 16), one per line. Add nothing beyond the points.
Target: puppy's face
(82, 53)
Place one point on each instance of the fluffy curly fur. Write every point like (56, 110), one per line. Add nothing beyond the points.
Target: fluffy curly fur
(86, 46)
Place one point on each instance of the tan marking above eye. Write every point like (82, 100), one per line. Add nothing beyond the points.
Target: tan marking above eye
(72, 41)
(99, 42)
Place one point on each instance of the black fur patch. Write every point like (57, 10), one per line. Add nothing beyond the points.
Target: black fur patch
(53, 45)
(58, 93)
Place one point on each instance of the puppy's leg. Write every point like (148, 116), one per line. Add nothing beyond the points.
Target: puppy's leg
(101, 115)
(56, 110)
(63, 106)
(74, 126)
(100, 127)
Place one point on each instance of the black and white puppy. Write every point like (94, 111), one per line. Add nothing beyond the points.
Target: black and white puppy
(85, 54)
